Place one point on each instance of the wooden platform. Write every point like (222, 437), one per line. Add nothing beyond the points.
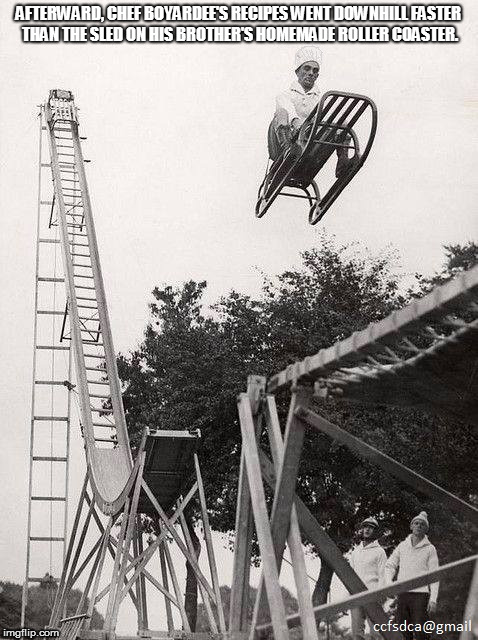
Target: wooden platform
(169, 467)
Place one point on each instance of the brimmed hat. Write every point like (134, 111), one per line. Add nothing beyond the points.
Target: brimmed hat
(371, 522)
(306, 54)
(421, 516)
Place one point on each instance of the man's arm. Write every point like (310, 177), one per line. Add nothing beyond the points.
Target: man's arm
(432, 565)
(284, 101)
(381, 563)
(391, 566)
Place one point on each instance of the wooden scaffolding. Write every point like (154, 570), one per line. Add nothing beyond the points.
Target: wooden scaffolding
(383, 364)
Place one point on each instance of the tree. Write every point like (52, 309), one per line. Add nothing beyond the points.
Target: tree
(40, 602)
(458, 258)
(192, 363)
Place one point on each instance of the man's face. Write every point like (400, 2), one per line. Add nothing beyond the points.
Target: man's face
(307, 74)
(367, 532)
(418, 527)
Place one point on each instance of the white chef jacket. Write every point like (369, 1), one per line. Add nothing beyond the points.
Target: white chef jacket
(297, 102)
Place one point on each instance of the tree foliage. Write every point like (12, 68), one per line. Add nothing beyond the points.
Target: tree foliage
(193, 362)
(40, 602)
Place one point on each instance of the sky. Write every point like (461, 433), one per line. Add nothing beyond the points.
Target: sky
(176, 137)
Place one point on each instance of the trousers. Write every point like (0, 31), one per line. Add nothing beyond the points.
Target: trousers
(358, 616)
(412, 608)
(276, 135)
(279, 138)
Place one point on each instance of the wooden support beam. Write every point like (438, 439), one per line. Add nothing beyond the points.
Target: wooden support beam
(364, 599)
(329, 552)
(89, 581)
(471, 609)
(204, 595)
(146, 554)
(96, 584)
(130, 531)
(139, 594)
(388, 464)
(116, 566)
(261, 518)
(239, 603)
(284, 492)
(56, 611)
(242, 554)
(74, 562)
(142, 582)
(112, 544)
(140, 562)
(169, 526)
(164, 576)
(85, 562)
(209, 547)
(294, 542)
(177, 590)
(256, 386)
(147, 575)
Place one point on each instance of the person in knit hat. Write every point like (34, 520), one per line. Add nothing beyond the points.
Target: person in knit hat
(294, 105)
(413, 556)
(368, 561)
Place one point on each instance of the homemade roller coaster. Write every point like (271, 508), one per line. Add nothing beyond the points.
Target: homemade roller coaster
(380, 364)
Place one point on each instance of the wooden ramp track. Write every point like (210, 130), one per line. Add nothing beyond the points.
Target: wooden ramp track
(165, 475)
(99, 393)
(403, 359)
(168, 467)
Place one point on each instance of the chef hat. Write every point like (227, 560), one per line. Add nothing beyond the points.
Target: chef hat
(306, 54)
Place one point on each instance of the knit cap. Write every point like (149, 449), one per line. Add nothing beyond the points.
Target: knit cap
(421, 516)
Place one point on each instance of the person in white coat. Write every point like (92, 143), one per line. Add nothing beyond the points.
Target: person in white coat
(413, 556)
(368, 560)
(296, 103)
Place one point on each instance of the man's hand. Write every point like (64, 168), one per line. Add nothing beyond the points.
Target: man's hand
(295, 125)
(432, 607)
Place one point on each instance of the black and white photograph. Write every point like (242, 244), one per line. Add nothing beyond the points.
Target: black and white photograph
(239, 273)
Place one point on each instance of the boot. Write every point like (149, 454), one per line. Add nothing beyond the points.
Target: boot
(343, 160)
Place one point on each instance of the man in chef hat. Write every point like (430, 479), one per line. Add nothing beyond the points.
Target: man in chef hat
(294, 105)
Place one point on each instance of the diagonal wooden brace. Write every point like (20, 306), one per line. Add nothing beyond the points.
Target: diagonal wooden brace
(178, 541)
(239, 606)
(294, 542)
(387, 463)
(284, 491)
(261, 518)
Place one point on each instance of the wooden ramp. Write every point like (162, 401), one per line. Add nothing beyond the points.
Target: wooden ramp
(168, 467)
